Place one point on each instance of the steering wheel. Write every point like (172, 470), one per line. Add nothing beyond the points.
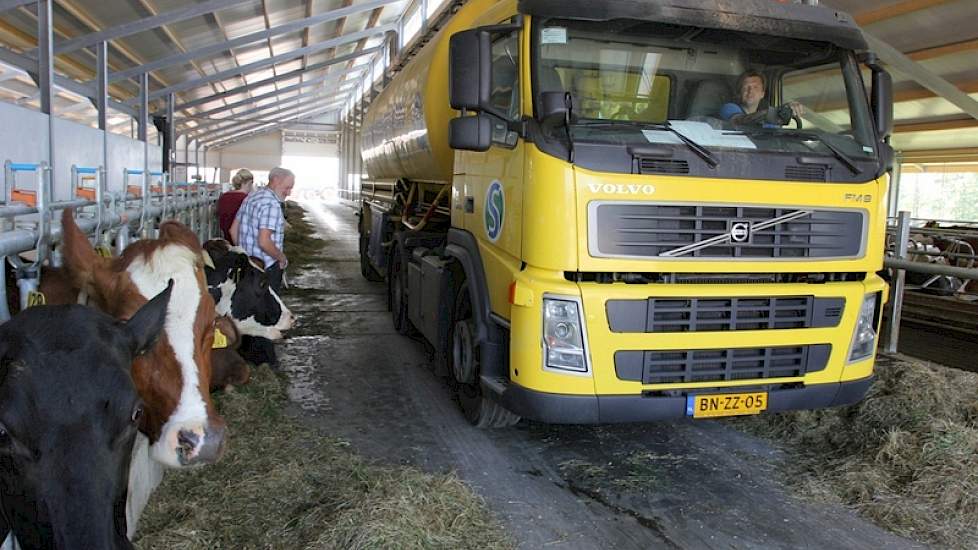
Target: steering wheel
(783, 115)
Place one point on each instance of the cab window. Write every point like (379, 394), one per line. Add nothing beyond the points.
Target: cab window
(505, 87)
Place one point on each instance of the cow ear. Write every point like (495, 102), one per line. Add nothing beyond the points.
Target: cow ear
(145, 325)
(207, 260)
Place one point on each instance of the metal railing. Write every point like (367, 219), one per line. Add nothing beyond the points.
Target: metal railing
(27, 217)
(946, 256)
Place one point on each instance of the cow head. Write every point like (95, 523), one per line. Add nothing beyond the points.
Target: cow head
(240, 289)
(69, 413)
(173, 378)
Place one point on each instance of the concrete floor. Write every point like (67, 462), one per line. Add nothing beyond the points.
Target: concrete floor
(676, 485)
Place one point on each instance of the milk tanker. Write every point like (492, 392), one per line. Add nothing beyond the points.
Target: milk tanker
(635, 209)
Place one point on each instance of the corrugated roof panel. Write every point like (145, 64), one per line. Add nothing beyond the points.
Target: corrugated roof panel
(935, 107)
(941, 139)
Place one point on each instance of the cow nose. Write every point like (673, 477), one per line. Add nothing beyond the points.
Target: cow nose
(193, 450)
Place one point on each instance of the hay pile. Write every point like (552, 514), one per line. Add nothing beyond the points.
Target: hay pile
(301, 246)
(906, 457)
(281, 485)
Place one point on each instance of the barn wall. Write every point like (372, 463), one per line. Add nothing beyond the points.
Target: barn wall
(259, 153)
(24, 138)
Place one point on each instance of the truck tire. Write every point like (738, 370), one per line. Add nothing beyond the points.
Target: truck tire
(397, 298)
(366, 270)
(478, 409)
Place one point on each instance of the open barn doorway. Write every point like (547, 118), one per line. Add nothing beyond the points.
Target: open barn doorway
(313, 158)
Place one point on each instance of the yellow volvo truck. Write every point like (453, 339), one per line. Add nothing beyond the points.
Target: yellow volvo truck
(588, 220)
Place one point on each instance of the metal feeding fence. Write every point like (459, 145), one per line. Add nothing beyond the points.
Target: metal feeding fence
(935, 275)
(29, 231)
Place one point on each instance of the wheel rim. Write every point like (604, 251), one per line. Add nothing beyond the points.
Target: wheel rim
(463, 352)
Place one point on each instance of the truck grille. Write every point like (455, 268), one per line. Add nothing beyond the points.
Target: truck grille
(653, 230)
(723, 314)
(717, 365)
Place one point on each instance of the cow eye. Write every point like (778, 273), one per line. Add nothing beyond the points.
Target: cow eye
(4, 435)
(137, 413)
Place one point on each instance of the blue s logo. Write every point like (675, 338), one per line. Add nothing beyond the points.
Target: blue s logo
(494, 210)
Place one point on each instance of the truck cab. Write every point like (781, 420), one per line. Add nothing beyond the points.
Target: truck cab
(656, 210)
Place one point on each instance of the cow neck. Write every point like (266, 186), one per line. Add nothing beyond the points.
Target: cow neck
(150, 273)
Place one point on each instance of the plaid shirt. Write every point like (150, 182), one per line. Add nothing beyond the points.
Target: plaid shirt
(261, 210)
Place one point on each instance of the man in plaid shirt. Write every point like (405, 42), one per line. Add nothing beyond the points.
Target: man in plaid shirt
(259, 227)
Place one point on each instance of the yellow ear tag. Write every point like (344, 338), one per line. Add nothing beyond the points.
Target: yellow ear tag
(220, 340)
(35, 298)
(103, 251)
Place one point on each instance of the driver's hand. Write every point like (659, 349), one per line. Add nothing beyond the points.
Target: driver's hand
(797, 109)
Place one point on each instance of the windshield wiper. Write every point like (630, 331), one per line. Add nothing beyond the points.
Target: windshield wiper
(701, 151)
(842, 157)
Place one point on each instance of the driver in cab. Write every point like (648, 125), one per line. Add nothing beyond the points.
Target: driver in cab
(747, 111)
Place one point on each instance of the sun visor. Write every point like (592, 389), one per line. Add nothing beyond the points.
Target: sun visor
(754, 16)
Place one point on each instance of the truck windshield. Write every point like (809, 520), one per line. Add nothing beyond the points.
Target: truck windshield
(727, 91)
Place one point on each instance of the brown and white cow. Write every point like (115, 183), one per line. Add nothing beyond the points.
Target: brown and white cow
(180, 424)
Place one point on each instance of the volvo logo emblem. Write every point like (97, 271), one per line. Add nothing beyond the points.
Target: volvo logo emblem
(740, 232)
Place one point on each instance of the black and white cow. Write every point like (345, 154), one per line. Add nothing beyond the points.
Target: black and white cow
(240, 290)
(69, 414)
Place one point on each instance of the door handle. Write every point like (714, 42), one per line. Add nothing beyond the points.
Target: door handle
(469, 205)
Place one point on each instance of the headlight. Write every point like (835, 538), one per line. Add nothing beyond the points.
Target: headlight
(563, 336)
(864, 336)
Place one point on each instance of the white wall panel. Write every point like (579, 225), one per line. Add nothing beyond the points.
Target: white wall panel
(261, 153)
(23, 138)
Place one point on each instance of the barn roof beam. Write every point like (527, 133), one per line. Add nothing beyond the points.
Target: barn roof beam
(210, 50)
(898, 9)
(6, 5)
(264, 130)
(935, 125)
(284, 76)
(926, 78)
(144, 24)
(281, 115)
(315, 94)
(262, 63)
(273, 93)
(30, 67)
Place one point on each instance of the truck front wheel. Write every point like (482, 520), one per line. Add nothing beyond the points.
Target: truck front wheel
(478, 409)
(366, 270)
(397, 298)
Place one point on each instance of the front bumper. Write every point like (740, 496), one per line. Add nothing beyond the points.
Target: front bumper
(578, 409)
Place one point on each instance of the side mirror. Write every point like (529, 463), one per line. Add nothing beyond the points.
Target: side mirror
(881, 99)
(470, 133)
(469, 70)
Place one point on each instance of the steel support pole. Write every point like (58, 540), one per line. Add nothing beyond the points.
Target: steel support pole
(899, 282)
(340, 178)
(145, 224)
(171, 133)
(358, 158)
(895, 177)
(45, 68)
(186, 158)
(102, 103)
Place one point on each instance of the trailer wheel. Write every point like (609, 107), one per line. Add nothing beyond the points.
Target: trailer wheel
(397, 294)
(478, 409)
